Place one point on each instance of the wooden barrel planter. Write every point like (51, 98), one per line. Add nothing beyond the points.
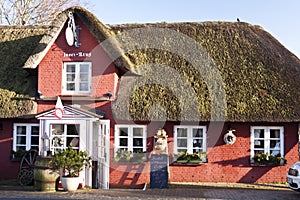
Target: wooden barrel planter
(44, 177)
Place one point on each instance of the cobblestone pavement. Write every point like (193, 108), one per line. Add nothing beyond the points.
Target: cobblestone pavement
(199, 192)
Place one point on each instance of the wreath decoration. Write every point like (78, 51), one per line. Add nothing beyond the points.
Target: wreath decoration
(229, 138)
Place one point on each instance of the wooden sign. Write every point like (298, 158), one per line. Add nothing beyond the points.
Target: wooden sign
(69, 36)
(159, 174)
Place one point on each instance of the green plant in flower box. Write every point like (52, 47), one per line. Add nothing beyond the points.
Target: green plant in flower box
(128, 156)
(268, 159)
(184, 157)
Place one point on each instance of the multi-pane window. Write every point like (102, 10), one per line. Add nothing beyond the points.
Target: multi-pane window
(267, 140)
(26, 137)
(64, 135)
(190, 139)
(130, 138)
(77, 78)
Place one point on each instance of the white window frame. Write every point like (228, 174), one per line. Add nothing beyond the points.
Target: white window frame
(267, 140)
(28, 144)
(63, 136)
(77, 78)
(130, 137)
(190, 138)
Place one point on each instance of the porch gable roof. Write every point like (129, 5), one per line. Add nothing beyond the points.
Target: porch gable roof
(73, 112)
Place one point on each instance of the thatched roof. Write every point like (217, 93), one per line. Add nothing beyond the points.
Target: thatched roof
(261, 77)
(16, 44)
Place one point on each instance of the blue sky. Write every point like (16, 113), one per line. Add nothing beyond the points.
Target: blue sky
(281, 18)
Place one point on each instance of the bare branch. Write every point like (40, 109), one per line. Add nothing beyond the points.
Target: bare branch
(24, 12)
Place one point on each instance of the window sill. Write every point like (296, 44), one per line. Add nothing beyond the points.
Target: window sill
(266, 164)
(182, 163)
(129, 162)
(125, 161)
(15, 159)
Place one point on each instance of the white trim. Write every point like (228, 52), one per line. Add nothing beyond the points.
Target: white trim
(189, 137)
(69, 114)
(81, 135)
(130, 136)
(28, 144)
(104, 154)
(266, 139)
(77, 78)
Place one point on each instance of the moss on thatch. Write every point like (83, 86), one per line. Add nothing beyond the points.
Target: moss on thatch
(16, 44)
(261, 77)
(15, 105)
(153, 95)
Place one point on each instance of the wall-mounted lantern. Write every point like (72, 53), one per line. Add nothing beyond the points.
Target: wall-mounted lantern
(46, 142)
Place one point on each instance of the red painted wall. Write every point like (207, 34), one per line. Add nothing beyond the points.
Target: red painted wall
(104, 74)
(226, 163)
(9, 167)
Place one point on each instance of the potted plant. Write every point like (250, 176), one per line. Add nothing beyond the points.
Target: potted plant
(70, 162)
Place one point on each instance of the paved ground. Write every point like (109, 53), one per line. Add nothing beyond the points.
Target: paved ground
(199, 191)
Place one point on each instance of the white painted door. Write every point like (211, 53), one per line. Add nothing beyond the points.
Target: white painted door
(103, 152)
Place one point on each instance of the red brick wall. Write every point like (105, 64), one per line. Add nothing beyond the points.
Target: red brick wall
(226, 163)
(104, 76)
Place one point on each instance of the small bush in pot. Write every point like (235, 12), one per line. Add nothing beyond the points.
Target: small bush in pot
(71, 162)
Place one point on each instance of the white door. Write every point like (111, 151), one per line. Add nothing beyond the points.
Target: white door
(103, 152)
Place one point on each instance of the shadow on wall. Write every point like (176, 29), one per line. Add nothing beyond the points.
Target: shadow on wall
(255, 173)
(130, 176)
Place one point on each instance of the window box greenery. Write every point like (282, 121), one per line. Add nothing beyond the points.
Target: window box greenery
(128, 156)
(268, 159)
(186, 158)
(17, 155)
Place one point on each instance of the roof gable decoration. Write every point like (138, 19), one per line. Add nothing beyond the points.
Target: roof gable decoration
(70, 112)
(72, 32)
(100, 31)
(59, 109)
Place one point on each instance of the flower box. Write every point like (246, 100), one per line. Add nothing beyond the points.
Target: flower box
(263, 159)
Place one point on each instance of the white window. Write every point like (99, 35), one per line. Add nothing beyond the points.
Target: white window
(268, 139)
(76, 78)
(190, 139)
(26, 137)
(64, 135)
(130, 138)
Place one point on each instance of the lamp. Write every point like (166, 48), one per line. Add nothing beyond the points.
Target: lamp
(109, 94)
(46, 141)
